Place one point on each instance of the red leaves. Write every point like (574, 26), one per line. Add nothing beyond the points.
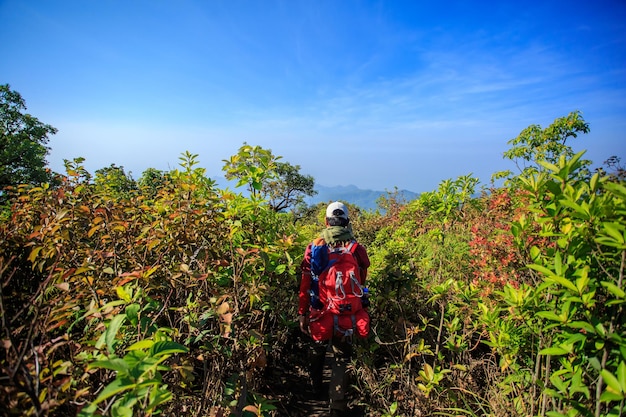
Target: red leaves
(495, 257)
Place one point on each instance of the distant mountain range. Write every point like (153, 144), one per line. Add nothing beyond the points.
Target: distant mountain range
(365, 199)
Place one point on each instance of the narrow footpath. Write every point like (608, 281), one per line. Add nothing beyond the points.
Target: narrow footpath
(289, 386)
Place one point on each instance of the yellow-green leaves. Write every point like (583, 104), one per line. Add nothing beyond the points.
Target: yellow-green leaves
(615, 384)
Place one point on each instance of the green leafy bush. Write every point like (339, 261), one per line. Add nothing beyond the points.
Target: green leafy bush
(170, 296)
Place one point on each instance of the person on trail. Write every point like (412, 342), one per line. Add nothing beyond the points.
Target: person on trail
(332, 307)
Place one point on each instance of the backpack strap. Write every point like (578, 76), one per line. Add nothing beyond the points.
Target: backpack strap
(355, 285)
(346, 335)
(340, 292)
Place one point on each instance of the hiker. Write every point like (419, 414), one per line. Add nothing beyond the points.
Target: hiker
(332, 302)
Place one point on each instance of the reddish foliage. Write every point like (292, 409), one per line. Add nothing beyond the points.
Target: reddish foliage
(495, 258)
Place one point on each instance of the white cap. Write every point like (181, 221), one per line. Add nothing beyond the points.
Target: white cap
(337, 209)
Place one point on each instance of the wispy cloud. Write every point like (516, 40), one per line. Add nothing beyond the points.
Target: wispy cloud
(434, 89)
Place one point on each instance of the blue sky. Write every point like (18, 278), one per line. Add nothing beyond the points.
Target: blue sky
(379, 94)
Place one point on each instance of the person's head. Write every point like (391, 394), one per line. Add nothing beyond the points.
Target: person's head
(337, 214)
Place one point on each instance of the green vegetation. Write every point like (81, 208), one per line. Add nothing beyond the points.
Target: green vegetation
(23, 140)
(280, 183)
(168, 296)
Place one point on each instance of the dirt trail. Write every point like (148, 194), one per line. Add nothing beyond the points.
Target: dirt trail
(288, 385)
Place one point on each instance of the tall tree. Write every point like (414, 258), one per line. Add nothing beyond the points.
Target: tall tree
(535, 144)
(23, 140)
(266, 177)
(252, 166)
(290, 187)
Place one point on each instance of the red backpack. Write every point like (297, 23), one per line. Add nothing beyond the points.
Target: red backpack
(340, 290)
(340, 283)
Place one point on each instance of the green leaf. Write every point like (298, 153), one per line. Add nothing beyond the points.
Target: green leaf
(154, 382)
(588, 327)
(142, 344)
(548, 166)
(111, 331)
(608, 396)
(549, 315)
(564, 282)
(553, 351)
(101, 341)
(613, 385)
(535, 252)
(595, 363)
(132, 312)
(158, 396)
(135, 356)
(515, 229)
(115, 364)
(121, 411)
(608, 241)
(558, 264)
(578, 386)
(113, 303)
(574, 338)
(122, 294)
(558, 382)
(614, 289)
(615, 230)
(118, 385)
(542, 269)
(88, 411)
(577, 208)
(616, 189)
(582, 282)
(617, 339)
(600, 329)
(167, 348)
(621, 375)
(124, 404)
(555, 414)
(427, 373)
(593, 183)
(589, 298)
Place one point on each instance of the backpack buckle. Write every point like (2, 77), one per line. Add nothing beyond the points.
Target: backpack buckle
(345, 307)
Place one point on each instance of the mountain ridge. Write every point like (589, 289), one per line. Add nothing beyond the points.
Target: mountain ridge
(363, 198)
